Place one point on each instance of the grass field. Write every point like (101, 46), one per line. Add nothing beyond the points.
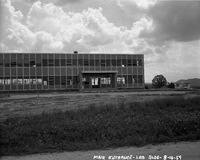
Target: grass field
(129, 123)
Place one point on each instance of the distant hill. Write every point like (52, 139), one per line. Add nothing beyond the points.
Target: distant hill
(195, 82)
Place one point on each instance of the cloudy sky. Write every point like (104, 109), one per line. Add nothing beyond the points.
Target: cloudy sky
(166, 32)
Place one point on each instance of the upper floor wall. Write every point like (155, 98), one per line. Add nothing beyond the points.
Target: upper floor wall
(44, 60)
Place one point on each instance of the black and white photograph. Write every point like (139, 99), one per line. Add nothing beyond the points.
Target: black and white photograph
(100, 79)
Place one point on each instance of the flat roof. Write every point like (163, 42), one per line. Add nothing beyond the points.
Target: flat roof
(79, 53)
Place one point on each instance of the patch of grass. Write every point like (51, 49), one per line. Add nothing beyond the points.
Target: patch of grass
(128, 124)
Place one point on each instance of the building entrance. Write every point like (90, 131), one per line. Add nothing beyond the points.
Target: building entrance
(98, 79)
(95, 82)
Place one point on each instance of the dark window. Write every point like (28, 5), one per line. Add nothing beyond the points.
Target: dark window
(32, 64)
(19, 60)
(57, 62)
(51, 80)
(63, 80)
(103, 62)
(69, 62)
(62, 62)
(26, 60)
(140, 79)
(130, 80)
(38, 60)
(51, 62)
(1, 59)
(114, 62)
(80, 62)
(75, 80)
(86, 62)
(7, 60)
(13, 60)
(96, 62)
(129, 62)
(139, 62)
(57, 80)
(119, 62)
(32, 60)
(74, 60)
(91, 62)
(124, 61)
(45, 80)
(135, 79)
(69, 80)
(44, 62)
(134, 62)
(108, 62)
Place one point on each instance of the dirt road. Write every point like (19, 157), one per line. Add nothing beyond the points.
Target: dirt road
(181, 151)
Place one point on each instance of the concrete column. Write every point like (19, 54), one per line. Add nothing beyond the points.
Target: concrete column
(90, 82)
(80, 82)
(115, 80)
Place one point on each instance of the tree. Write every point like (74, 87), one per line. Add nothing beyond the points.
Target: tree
(171, 85)
(159, 81)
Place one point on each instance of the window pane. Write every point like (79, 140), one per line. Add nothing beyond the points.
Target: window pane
(1, 59)
(124, 60)
(7, 60)
(38, 60)
(13, 60)
(32, 60)
(26, 60)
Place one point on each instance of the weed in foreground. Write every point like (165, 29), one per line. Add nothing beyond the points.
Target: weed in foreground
(128, 124)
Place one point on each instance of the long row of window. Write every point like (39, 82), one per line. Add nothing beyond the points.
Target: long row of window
(72, 62)
(67, 80)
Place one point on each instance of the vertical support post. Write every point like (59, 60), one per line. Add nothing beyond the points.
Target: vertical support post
(80, 82)
(115, 80)
(90, 82)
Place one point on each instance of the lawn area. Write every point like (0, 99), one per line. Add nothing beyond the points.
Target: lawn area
(127, 124)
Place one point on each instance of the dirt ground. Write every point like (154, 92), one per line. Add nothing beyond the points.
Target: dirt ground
(179, 151)
(25, 104)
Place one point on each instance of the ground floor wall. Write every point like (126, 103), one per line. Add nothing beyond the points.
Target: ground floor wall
(70, 82)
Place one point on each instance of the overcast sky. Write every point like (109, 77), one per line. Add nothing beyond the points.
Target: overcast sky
(166, 32)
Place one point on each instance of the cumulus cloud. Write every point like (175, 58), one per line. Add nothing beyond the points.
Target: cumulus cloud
(17, 37)
(48, 28)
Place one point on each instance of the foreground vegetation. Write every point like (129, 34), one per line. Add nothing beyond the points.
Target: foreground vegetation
(129, 124)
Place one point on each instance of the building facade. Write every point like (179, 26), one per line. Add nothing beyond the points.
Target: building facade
(182, 85)
(57, 71)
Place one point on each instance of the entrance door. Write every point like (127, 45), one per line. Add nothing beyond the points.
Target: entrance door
(95, 82)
